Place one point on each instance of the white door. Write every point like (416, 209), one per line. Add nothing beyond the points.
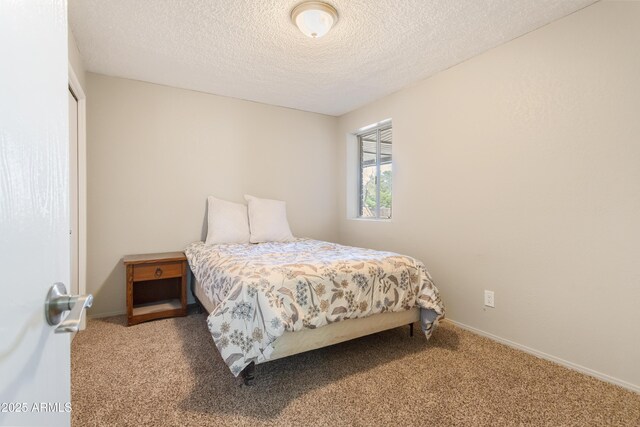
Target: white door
(73, 192)
(34, 210)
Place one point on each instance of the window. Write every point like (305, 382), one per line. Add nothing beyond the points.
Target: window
(374, 189)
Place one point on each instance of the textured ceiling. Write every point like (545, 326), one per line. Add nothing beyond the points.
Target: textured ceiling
(249, 49)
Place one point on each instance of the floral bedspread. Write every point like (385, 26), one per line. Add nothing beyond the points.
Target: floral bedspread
(262, 290)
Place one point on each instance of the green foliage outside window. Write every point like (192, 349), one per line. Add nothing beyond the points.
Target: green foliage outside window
(385, 191)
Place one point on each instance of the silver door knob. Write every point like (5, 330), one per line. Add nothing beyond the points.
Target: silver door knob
(58, 302)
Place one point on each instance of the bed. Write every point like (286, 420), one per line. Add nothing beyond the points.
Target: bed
(271, 300)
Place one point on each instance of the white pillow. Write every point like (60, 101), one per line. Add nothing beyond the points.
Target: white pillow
(228, 222)
(268, 220)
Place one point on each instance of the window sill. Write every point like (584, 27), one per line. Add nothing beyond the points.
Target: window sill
(370, 219)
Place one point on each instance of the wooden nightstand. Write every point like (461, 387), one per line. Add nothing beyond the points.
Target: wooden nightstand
(156, 286)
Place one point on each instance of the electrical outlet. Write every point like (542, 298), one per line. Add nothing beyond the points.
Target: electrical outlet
(489, 299)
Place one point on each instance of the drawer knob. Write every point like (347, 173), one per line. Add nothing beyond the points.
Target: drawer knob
(158, 272)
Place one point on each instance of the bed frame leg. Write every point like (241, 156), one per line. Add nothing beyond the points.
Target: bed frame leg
(410, 329)
(249, 374)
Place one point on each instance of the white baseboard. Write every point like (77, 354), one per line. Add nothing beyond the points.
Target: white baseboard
(107, 314)
(542, 355)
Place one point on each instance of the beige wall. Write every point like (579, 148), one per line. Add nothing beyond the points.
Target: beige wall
(155, 153)
(518, 171)
(75, 59)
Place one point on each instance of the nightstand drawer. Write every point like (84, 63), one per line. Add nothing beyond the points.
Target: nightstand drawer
(143, 272)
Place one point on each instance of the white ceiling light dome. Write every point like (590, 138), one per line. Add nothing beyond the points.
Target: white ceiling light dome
(314, 18)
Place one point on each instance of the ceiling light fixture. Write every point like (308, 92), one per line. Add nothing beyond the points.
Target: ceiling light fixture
(314, 18)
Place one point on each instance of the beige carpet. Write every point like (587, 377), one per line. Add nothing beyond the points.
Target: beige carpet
(168, 372)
